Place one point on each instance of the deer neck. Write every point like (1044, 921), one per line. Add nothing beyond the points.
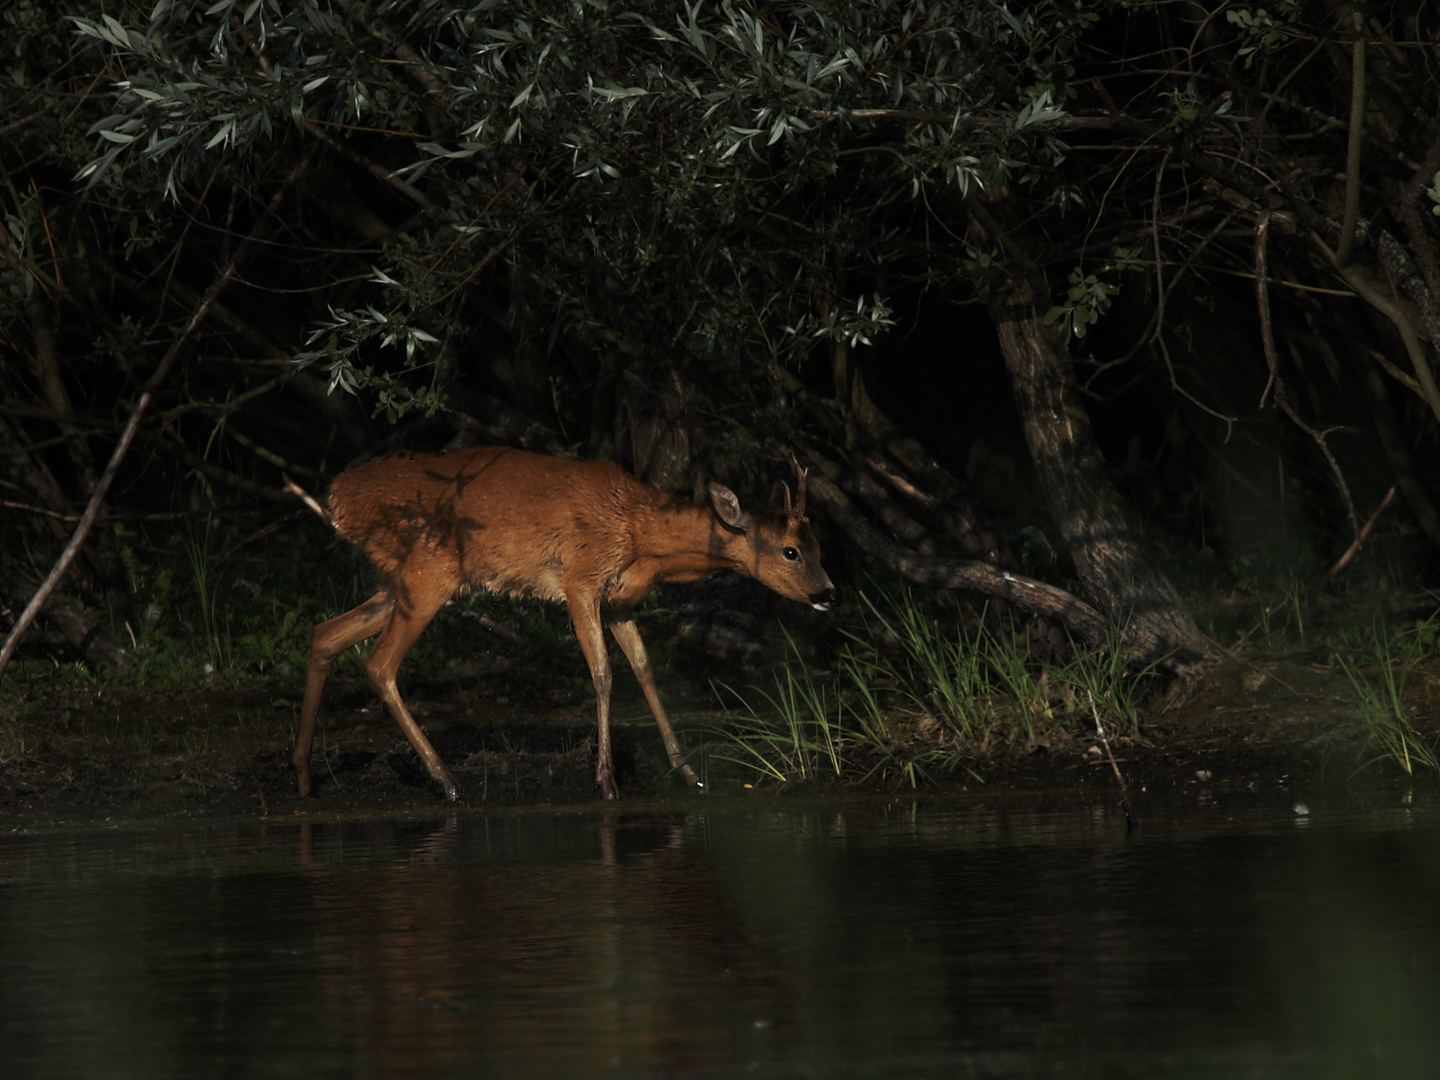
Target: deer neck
(684, 541)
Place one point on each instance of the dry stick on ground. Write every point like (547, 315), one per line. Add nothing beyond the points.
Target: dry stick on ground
(504, 633)
(262, 229)
(1354, 548)
(1105, 742)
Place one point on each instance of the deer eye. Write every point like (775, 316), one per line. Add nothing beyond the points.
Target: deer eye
(791, 554)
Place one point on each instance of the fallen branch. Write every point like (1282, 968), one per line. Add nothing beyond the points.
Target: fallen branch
(1086, 622)
(504, 633)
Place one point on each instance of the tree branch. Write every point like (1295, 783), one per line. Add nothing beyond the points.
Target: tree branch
(1282, 399)
(1357, 130)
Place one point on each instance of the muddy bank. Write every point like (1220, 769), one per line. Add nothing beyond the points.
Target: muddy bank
(128, 754)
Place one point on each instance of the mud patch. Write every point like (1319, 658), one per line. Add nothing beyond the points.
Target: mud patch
(218, 753)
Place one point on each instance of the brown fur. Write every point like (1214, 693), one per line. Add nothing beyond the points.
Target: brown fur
(519, 524)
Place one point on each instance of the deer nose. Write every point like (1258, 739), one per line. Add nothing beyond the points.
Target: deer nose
(823, 601)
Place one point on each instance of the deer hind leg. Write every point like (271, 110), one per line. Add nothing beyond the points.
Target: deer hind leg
(586, 620)
(327, 642)
(422, 591)
(628, 635)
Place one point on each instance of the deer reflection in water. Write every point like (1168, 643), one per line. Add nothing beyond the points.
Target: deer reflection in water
(464, 949)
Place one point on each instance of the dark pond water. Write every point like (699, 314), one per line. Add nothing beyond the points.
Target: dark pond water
(1222, 938)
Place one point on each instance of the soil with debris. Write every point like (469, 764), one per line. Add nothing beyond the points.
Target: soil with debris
(1281, 722)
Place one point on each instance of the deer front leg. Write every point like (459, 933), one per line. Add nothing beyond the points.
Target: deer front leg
(628, 635)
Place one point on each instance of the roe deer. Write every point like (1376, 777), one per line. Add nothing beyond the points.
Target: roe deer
(521, 524)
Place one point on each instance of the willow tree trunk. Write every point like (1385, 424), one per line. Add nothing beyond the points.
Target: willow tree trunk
(1114, 564)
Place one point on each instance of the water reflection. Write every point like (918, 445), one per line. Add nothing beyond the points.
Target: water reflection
(534, 945)
(901, 939)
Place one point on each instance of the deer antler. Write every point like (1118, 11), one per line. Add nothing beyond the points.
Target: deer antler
(796, 512)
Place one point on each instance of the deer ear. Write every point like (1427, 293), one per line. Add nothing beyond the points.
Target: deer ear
(727, 506)
(780, 496)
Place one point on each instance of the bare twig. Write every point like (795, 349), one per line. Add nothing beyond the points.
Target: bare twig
(262, 228)
(166, 515)
(308, 499)
(1130, 820)
(1157, 320)
(1282, 399)
(1354, 548)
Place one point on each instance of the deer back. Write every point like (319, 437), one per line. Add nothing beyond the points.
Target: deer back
(524, 524)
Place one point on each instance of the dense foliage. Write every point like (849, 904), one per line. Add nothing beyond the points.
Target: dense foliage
(694, 237)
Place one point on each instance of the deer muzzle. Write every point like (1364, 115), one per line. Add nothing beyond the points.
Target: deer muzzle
(824, 601)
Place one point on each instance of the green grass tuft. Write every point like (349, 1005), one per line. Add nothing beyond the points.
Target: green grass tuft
(917, 698)
(1392, 656)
